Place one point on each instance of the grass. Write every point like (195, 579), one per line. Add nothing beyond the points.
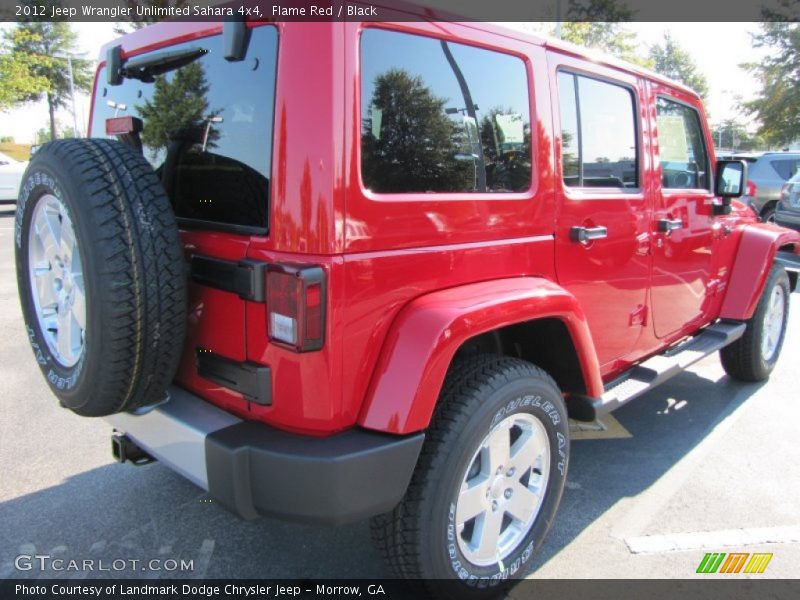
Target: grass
(18, 151)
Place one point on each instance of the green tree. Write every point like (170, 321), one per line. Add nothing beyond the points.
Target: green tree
(600, 24)
(732, 134)
(674, 62)
(136, 22)
(43, 45)
(18, 70)
(409, 138)
(179, 103)
(777, 103)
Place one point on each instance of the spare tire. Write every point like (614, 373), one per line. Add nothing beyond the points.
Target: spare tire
(101, 275)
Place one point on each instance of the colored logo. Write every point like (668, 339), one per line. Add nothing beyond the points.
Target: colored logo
(734, 562)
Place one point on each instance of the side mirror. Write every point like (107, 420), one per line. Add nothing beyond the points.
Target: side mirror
(729, 182)
(730, 179)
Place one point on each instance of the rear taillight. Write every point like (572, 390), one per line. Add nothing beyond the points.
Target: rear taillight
(751, 188)
(296, 306)
(785, 192)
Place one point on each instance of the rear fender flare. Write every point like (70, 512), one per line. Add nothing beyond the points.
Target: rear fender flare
(428, 331)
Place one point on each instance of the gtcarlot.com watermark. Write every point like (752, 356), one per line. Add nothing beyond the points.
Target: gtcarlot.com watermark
(46, 562)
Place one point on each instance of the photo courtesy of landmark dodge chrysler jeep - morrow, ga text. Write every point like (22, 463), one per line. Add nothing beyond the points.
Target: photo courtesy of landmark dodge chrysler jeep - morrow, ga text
(334, 271)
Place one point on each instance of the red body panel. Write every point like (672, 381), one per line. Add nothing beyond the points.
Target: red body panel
(411, 277)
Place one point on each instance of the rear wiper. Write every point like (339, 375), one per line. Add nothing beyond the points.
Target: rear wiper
(145, 68)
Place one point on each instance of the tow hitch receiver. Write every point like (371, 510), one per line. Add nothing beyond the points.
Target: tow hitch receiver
(124, 448)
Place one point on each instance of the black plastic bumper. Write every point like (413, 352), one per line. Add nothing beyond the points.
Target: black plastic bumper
(254, 469)
(357, 474)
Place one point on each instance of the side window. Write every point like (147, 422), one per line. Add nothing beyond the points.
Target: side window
(786, 168)
(684, 161)
(598, 133)
(442, 117)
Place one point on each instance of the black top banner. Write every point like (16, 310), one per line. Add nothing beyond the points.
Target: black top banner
(397, 10)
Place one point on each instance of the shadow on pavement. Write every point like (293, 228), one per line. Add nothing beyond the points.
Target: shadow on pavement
(121, 512)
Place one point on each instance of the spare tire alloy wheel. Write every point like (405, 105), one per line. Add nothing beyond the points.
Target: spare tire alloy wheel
(56, 280)
(101, 275)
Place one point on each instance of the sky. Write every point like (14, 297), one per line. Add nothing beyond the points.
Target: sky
(717, 49)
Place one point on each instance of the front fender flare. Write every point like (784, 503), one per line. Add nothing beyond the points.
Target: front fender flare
(427, 332)
(758, 246)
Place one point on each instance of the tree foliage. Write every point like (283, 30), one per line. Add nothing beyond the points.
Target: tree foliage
(733, 134)
(20, 72)
(395, 152)
(177, 104)
(41, 46)
(674, 62)
(777, 104)
(136, 22)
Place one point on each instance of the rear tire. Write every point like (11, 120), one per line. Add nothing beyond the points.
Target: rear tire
(490, 407)
(101, 275)
(753, 356)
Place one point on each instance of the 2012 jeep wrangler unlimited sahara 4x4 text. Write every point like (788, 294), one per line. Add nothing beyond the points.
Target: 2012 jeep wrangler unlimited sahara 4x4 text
(332, 271)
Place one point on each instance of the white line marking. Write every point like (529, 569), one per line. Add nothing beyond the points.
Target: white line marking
(677, 542)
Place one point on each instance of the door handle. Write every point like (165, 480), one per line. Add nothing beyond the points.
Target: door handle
(587, 234)
(667, 225)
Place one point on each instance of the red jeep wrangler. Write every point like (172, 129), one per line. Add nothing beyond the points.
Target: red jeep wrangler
(331, 271)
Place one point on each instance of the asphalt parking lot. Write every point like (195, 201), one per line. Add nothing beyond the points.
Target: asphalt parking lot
(701, 464)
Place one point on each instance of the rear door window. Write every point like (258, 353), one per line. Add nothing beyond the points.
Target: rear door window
(598, 133)
(438, 116)
(207, 131)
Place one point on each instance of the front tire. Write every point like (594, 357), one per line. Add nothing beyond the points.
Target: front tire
(488, 482)
(753, 356)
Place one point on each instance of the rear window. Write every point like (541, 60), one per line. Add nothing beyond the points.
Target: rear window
(207, 131)
(442, 117)
(785, 168)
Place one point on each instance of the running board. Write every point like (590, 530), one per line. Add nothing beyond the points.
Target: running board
(655, 371)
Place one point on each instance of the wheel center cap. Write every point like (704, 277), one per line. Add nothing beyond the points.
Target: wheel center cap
(498, 485)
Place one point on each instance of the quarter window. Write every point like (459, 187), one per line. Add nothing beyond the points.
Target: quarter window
(684, 161)
(598, 133)
(442, 117)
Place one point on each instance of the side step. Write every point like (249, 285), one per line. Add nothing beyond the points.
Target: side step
(655, 371)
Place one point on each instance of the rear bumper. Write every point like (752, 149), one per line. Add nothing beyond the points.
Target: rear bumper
(254, 469)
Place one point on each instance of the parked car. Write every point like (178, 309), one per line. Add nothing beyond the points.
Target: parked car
(767, 172)
(11, 171)
(787, 213)
(368, 270)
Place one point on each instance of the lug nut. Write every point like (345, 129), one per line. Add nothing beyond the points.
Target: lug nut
(510, 472)
(508, 493)
(494, 505)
